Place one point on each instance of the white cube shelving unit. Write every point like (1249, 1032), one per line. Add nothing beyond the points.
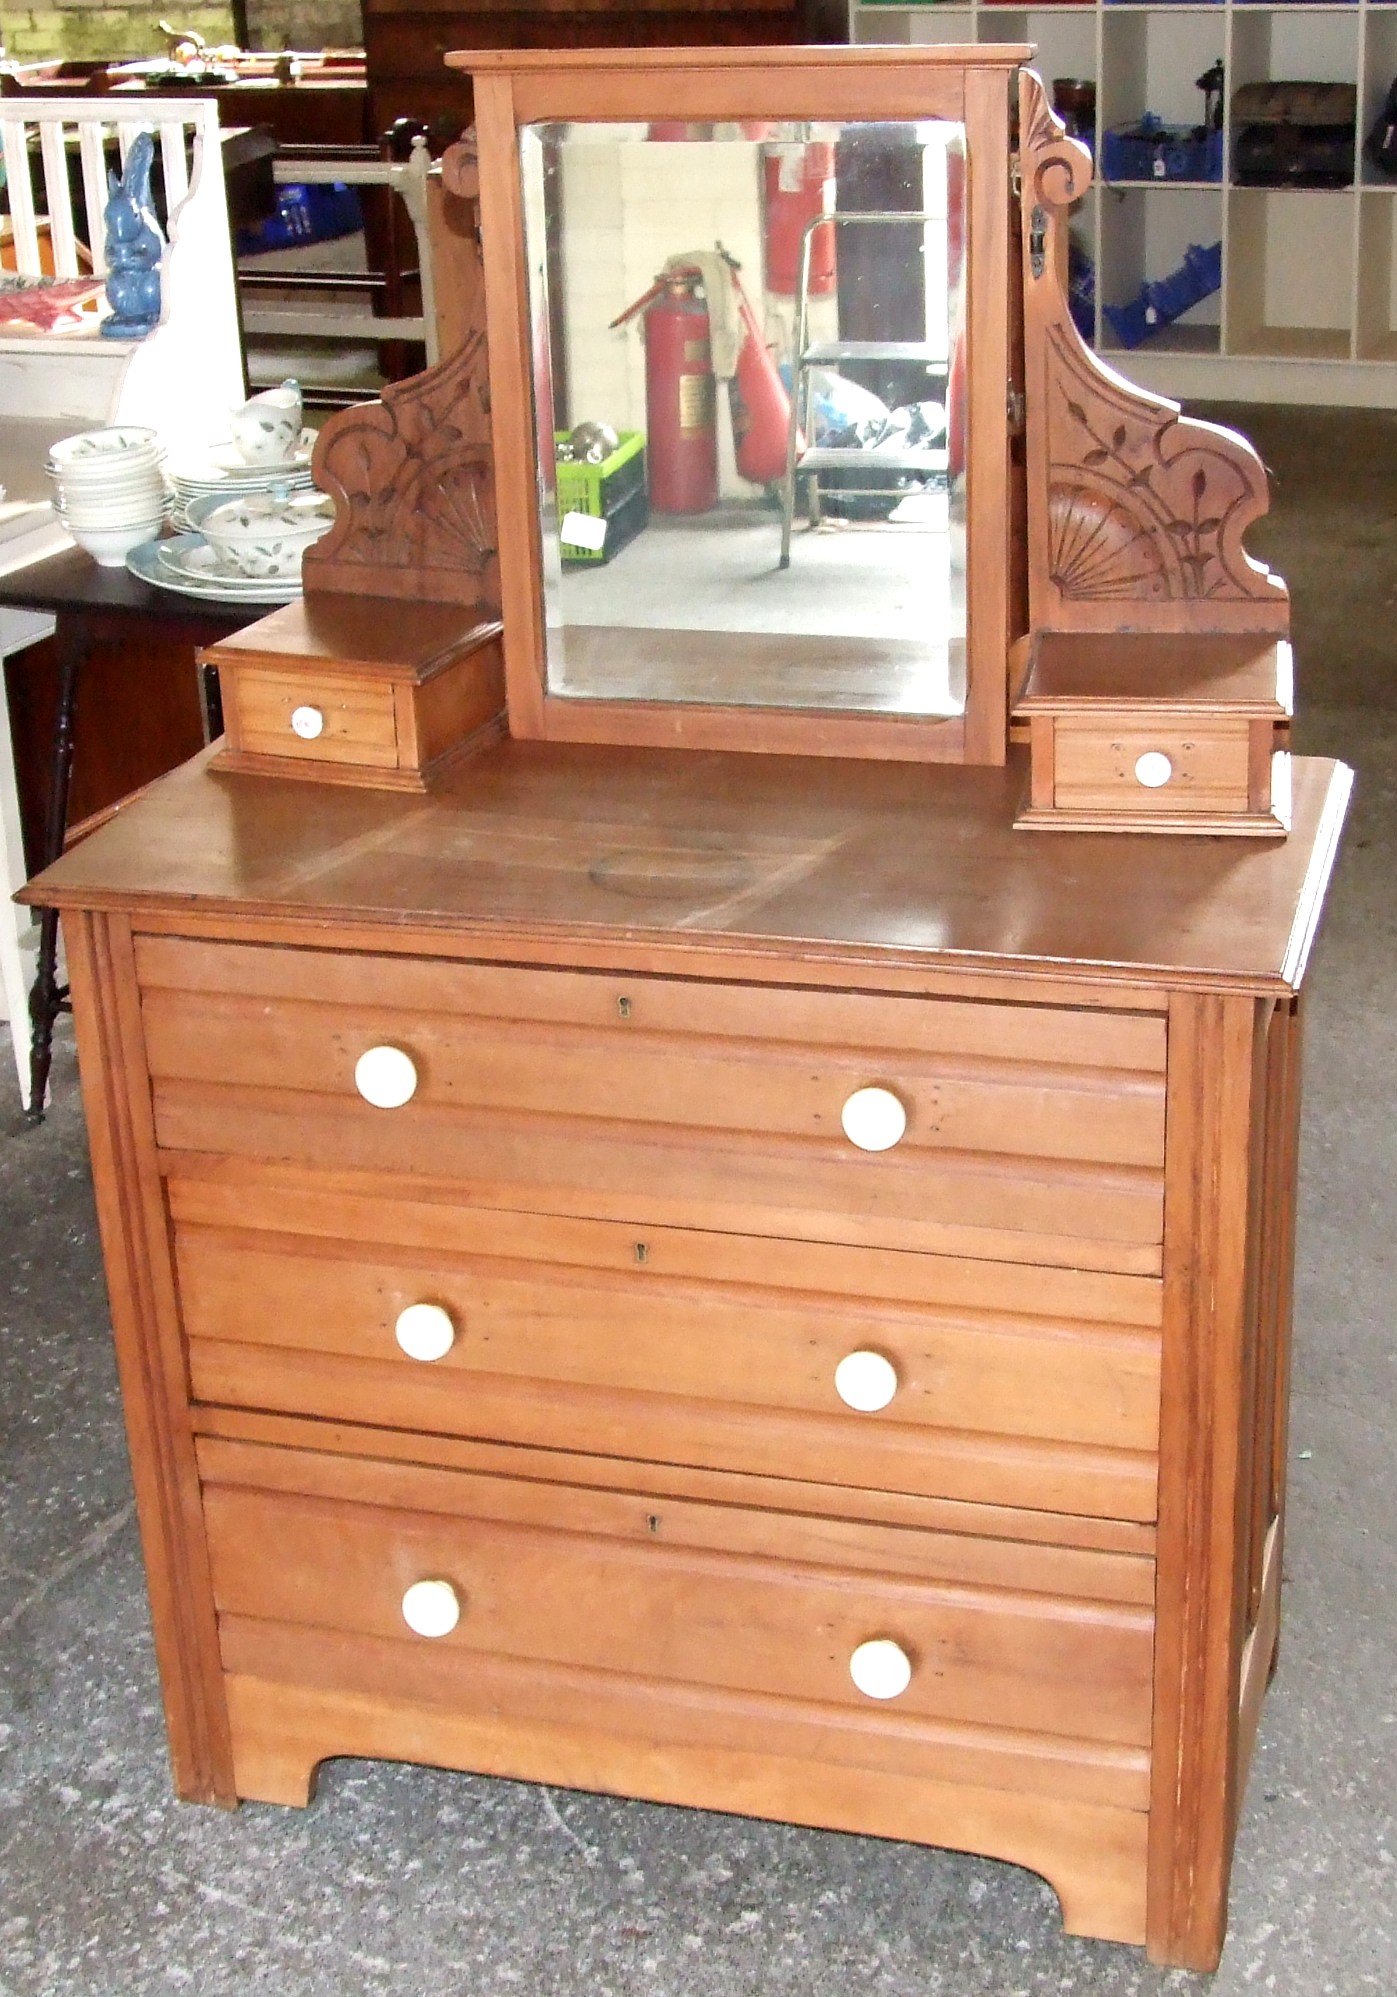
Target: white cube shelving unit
(1308, 306)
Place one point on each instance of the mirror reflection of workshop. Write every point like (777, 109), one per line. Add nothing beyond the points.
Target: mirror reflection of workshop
(744, 338)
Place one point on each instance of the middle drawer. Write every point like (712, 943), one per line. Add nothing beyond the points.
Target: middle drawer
(862, 1367)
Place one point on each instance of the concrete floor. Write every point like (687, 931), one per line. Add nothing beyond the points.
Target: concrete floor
(407, 1880)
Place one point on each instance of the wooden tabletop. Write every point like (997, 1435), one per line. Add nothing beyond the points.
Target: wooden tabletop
(73, 581)
(663, 853)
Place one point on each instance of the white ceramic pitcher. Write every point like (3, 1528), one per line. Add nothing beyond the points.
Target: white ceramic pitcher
(267, 428)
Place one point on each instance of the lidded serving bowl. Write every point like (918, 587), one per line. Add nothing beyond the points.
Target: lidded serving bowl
(263, 534)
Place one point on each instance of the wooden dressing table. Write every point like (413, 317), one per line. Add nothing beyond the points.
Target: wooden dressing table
(743, 1279)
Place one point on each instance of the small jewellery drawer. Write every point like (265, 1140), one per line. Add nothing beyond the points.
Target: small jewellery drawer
(1147, 763)
(314, 719)
(1021, 1132)
(1150, 733)
(357, 691)
(928, 1652)
(925, 1374)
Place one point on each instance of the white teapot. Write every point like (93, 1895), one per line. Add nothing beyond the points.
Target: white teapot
(267, 428)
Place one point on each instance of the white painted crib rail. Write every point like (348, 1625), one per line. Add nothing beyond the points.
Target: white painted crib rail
(91, 124)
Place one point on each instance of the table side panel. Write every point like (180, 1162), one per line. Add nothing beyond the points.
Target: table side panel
(150, 1357)
(1204, 1507)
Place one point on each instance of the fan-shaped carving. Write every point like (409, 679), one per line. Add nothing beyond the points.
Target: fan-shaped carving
(1130, 503)
(413, 481)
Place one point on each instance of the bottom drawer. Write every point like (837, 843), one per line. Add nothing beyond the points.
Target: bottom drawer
(926, 1654)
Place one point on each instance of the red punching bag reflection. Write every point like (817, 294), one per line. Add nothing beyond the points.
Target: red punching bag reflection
(761, 408)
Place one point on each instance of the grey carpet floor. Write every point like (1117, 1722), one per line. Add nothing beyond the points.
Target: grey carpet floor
(404, 1880)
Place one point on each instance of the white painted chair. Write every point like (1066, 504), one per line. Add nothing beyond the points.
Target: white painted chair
(182, 379)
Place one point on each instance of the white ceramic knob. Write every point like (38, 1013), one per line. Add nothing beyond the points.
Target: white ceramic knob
(385, 1077)
(873, 1119)
(865, 1381)
(425, 1331)
(431, 1608)
(1153, 769)
(881, 1668)
(307, 722)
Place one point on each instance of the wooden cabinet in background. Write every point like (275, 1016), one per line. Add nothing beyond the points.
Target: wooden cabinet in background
(406, 45)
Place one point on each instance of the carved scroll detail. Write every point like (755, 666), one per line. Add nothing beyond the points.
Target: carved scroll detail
(1136, 513)
(412, 476)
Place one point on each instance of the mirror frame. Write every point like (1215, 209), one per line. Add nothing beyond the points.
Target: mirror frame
(969, 86)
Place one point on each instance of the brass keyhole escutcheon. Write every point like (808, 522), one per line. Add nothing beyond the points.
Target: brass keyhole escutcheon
(642, 1251)
(623, 1007)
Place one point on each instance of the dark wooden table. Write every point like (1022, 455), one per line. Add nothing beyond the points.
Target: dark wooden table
(119, 689)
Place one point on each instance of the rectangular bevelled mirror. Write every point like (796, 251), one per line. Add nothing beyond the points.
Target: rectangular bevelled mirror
(749, 342)
(748, 413)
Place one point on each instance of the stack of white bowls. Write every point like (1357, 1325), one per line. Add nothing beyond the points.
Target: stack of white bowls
(110, 489)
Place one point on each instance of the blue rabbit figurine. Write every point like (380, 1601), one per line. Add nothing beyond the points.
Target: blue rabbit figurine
(134, 247)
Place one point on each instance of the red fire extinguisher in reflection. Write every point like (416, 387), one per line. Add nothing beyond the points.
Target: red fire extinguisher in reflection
(681, 416)
(681, 393)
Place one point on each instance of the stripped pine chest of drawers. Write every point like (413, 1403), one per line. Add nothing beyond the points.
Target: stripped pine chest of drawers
(730, 1280)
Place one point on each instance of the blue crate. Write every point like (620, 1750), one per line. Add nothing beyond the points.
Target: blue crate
(304, 214)
(1152, 150)
(1164, 299)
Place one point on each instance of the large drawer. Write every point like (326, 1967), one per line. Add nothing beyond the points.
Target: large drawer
(976, 1380)
(1031, 1133)
(681, 1620)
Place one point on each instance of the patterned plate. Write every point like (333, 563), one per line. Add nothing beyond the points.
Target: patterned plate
(187, 563)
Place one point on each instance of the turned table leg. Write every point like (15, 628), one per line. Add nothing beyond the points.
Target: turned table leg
(47, 997)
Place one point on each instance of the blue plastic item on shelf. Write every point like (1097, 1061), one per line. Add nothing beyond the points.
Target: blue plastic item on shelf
(1130, 323)
(1151, 150)
(1163, 299)
(304, 214)
(1081, 289)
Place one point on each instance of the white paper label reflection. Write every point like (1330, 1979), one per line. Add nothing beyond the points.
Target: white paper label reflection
(581, 530)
